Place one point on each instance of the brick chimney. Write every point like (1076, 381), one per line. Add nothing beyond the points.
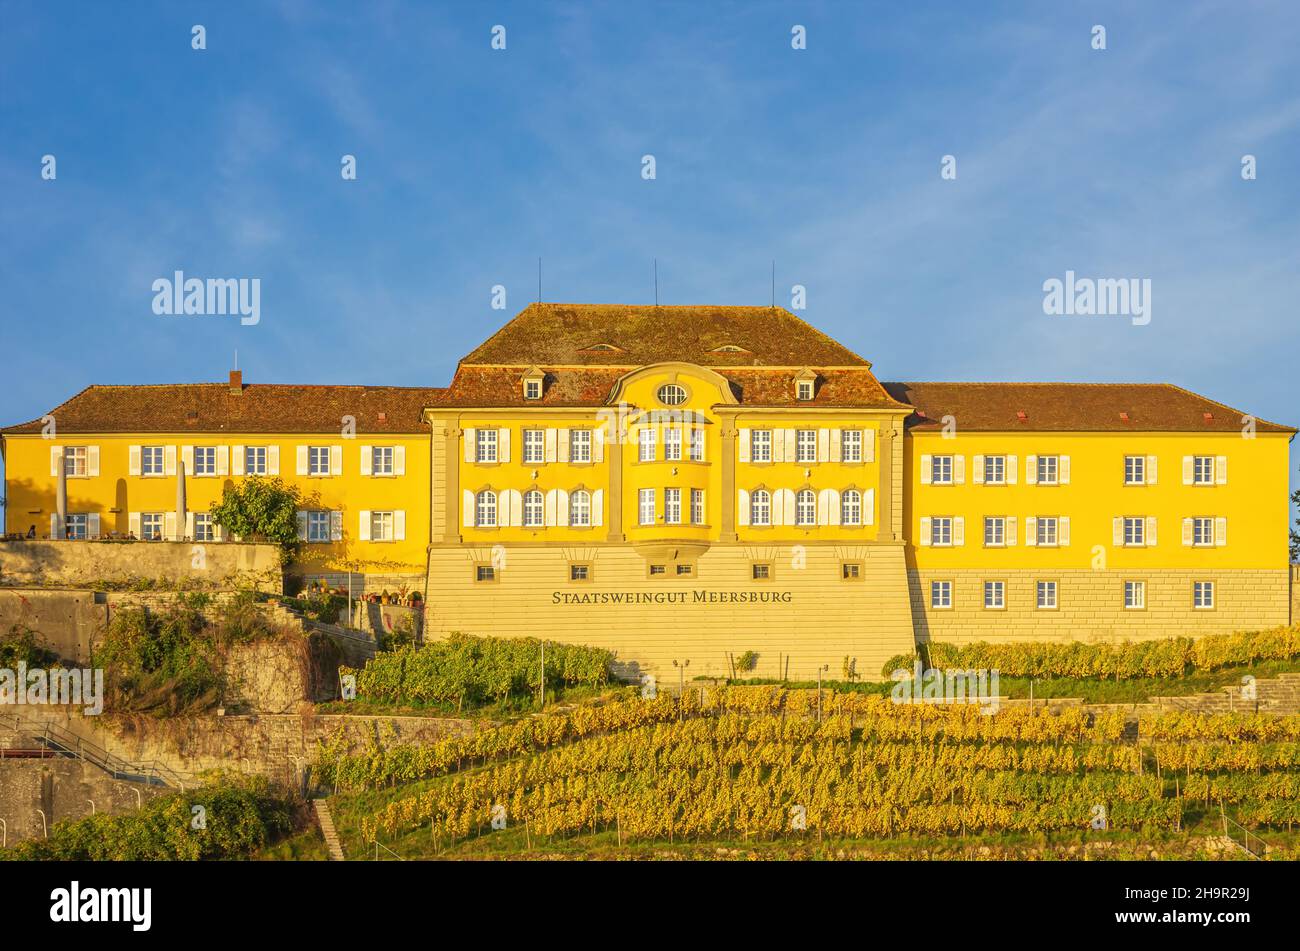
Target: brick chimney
(236, 382)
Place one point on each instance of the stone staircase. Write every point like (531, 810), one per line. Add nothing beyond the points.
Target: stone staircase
(1278, 695)
(326, 822)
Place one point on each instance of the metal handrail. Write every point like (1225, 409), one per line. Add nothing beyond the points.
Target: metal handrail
(386, 849)
(1245, 832)
(70, 744)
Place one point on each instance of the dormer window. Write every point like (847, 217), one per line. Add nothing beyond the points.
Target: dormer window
(533, 380)
(670, 394)
(804, 389)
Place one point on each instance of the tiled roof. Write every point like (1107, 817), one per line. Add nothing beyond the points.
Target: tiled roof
(637, 335)
(258, 408)
(1070, 407)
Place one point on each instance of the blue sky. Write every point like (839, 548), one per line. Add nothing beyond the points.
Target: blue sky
(472, 163)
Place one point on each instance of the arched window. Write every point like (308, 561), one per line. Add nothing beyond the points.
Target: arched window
(760, 507)
(805, 507)
(670, 394)
(533, 509)
(851, 507)
(580, 508)
(485, 513)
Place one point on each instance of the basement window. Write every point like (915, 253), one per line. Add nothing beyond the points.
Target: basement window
(485, 573)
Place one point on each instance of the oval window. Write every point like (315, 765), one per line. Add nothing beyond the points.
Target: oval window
(670, 394)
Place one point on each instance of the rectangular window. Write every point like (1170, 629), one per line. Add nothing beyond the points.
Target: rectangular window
(995, 594)
(318, 526)
(647, 506)
(658, 570)
(1048, 468)
(805, 445)
(697, 445)
(485, 511)
(381, 526)
(318, 460)
(203, 528)
(485, 573)
(760, 445)
(485, 445)
(579, 572)
(995, 470)
(995, 528)
(533, 509)
(580, 509)
(804, 389)
(646, 446)
(697, 506)
(851, 507)
(760, 572)
(1135, 470)
(1202, 532)
(381, 460)
(850, 571)
(1046, 532)
(1046, 595)
(532, 389)
(805, 508)
(673, 444)
(151, 460)
(1135, 594)
(1203, 594)
(761, 508)
(151, 525)
(940, 594)
(580, 445)
(534, 445)
(76, 527)
(673, 506)
(941, 531)
(684, 570)
(1202, 470)
(1135, 531)
(205, 460)
(255, 460)
(941, 470)
(74, 461)
(851, 445)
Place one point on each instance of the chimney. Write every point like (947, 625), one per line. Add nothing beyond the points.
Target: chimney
(236, 382)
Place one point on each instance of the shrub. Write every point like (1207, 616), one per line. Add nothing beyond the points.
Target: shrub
(19, 646)
(263, 508)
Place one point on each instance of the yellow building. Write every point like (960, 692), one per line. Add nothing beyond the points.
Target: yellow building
(689, 484)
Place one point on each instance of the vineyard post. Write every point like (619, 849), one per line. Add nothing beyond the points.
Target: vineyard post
(542, 685)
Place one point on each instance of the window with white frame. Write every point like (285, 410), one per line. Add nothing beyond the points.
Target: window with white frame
(1202, 532)
(851, 507)
(805, 507)
(318, 526)
(580, 508)
(670, 394)
(74, 461)
(1202, 470)
(151, 461)
(1049, 468)
(381, 527)
(1046, 532)
(1135, 470)
(697, 506)
(697, 445)
(318, 460)
(1203, 594)
(205, 460)
(532, 389)
(204, 530)
(995, 470)
(646, 444)
(995, 531)
(805, 445)
(760, 507)
(760, 445)
(534, 508)
(381, 460)
(534, 445)
(804, 389)
(1135, 531)
(485, 509)
(941, 470)
(151, 525)
(1046, 595)
(941, 530)
(76, 526)
(485, 445)
(940, 594)
(995, 594)
(673, 506)
(851, 445)
(1135, 594)
(580, 445)
(673, 444)
(255, 460)
(646, 506)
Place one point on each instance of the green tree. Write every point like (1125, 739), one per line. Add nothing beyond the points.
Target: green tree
(263, 509)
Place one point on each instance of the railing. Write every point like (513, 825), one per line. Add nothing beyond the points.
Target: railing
(1246, 834)
(63, 742)
(388, 850)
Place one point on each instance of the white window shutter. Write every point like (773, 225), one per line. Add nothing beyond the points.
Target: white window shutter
(959, 470)
(548, 517)
(551, 455)
(468, 514)
(399, 460)
(1012, 471)
(302, 460)
(56, 460)
(1117, 531)
(169, 526)
(742, 445)
(927, 468)
(562, 444)
(223, 460)
(868, 445)
(92, 460)
(189, 524)
(823, 513)
(399, 524)
(54, 525)
(1220, 531)
(1188, 530)
(925, 531)
(133, 523)
(1187, 470)
(169, 460)
(778, 445)
(302, 526)
(1151, 530)
(778, 505)
(92, 525)
(791, 447)
(869, 507)
(836, 445)
(504, 508)
(218, 532)
(503, 445)
(471, 444)
(977, 463)
(1031, 532)
(238, 460)
(336, 526)
(598, 507)
(1063, 530)
(742, 507)
(959, 530)
(1151, 470)
(1220, 470)
(133, 461)
(336, 460)
(561, 507)
(823, 445)
(1063, 470)
(598, 445)
(187, 457)
(1010, 534)
(1031, 470)
(832, 506)
(367, 460)
(363, 525)
(273, 460)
